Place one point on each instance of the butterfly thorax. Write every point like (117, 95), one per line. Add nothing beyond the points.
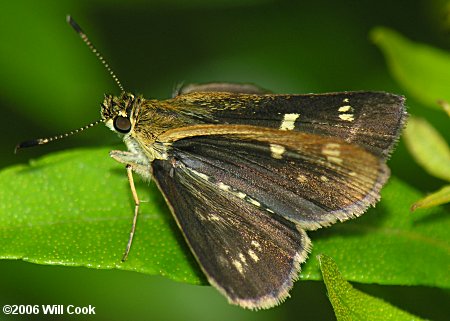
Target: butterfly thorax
(140, 122)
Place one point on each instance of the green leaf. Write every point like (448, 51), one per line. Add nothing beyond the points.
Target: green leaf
(428, 147)
(440, 197)
(351, 304)
(421, 69)
(75, 208)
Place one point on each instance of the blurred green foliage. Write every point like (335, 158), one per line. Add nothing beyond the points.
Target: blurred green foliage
(51, 82)
(351, 304)
(423, 71)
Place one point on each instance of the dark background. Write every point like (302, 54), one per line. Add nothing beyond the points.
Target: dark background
(51, 83)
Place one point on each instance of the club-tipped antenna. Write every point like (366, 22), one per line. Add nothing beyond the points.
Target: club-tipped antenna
(42, 141)
(86, 40)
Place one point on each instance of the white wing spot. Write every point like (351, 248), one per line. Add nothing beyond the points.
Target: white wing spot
(201, 175)
(302, 178)
(344, 109)
(224, 187)
(256, 245)
(352, 174)
(345, 100)
(241, 195)
(254, 202)
(238, 266)
(288, 122)
(242, 257)
(347, 117)
(332, 149)
(332, 152)
(277, 151)
(324, 178)
(213, 217)
(253, 255)
(336, 160)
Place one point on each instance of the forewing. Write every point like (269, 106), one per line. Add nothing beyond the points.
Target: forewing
(308, 179)
(370, 119)
(251, 255)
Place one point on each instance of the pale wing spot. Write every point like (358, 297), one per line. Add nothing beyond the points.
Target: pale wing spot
(213, 217)
(335, 160)
(288, 122)
(242, 257)
(352, 174)
(277, 151)
(302, 178)
(347, 117)
(201, 175)
(333, 145)
(228, 188)
(332, 149)
(253, 255)
(256, 244)
(332, 152)
(344, 109)
(254, 202)
(238, 266)
(270, 211)
(241, 195)
(345, 100)
(324, 178)
(224, 187)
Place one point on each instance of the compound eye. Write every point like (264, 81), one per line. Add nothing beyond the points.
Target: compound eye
(122, 124)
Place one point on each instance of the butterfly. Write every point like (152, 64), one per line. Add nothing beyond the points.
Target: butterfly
(246, 172)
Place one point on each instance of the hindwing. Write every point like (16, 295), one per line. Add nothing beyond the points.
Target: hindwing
(250, 255)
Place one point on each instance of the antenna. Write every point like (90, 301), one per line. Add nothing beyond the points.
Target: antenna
(86, 40)
(42, 141)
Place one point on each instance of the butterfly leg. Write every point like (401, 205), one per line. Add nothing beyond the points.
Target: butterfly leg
(136, 211)
(133, 163)
(138, 164)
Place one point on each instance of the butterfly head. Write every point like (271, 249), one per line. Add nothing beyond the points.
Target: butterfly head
(118, 112)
